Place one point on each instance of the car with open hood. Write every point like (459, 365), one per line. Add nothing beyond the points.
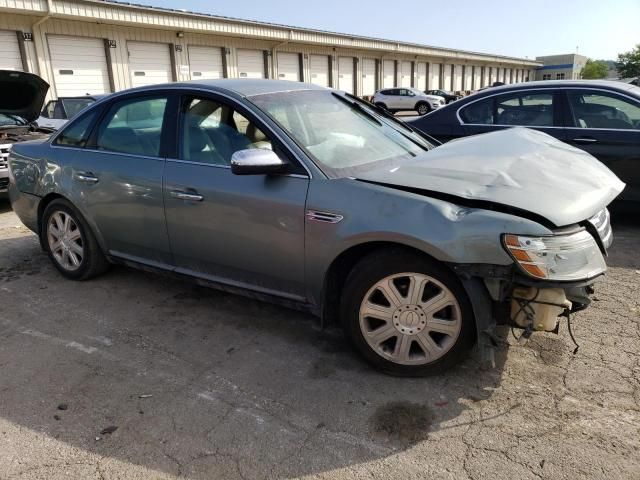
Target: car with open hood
(21, 98)
(313, 198)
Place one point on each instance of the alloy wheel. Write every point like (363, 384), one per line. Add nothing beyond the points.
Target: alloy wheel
(65, 240)
(410, 318)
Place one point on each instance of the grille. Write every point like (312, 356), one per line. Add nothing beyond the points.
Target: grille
(601, 222)
(4, 183)
(4, 155)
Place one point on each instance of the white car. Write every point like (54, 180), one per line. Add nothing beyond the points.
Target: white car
(397, 99)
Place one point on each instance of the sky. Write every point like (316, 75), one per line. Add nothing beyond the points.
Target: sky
(599, 29)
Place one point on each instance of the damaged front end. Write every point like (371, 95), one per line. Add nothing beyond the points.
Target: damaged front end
(551, 278)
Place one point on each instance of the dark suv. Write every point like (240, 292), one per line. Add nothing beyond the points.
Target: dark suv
(600, 117)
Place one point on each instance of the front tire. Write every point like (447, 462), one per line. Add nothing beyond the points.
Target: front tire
(71, 245)
(406, 314)
(423, 108)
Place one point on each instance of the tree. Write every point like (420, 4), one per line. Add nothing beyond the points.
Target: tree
(595, 69)
(628, 64)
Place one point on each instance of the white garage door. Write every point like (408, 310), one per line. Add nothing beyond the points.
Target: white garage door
(319, 65)
(468, 76)
(421, 83)
(476, 78)
(79, 65)
(149, 63)
(485, 76)
(447, 78)
(405, 72)
(251, 64)
(345, 74)
(9, 51)
(388, 74)
(457, 78)
(434, 74)
(368, 76)
(205, 62)
(288, 66)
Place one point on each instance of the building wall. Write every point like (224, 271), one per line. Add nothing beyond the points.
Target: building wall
(120, 24)
(570, 65)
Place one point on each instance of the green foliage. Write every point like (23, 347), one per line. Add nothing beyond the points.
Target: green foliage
(628, 64)
(595, 69)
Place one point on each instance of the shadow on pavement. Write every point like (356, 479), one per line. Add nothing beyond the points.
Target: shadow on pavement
(203, 383)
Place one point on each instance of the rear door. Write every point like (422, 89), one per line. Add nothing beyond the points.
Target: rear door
(116, 180)
(539, 109)
(239, 230)
(607, 125)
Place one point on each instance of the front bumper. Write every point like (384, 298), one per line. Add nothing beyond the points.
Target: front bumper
(4, 181)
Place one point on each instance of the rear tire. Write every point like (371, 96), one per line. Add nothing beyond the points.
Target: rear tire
(406, 314)
(70, 243)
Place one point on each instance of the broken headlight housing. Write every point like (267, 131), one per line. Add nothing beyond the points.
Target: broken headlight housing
(563, 257)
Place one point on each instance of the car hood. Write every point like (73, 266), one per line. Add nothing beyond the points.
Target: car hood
(518, 168)
(22, 94)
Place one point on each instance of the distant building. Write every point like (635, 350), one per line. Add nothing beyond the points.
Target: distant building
(91, 46)
(560, 67)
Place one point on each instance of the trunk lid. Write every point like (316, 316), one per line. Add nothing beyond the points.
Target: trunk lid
(518, 167)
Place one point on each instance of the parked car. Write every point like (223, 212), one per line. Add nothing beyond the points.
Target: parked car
(58, 112)
(21, 98)
(599, 117)
(307, 196)
(398, 99)
(447, 95)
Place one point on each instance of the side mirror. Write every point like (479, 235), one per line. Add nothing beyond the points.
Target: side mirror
(257, 161)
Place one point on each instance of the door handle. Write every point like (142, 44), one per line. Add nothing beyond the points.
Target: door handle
(192, 197)
(86, 177)
(585, 140)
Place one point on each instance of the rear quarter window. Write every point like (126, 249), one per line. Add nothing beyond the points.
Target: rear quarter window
(78, 131)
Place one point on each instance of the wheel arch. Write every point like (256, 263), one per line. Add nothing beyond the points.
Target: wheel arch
(50, 197)
(336, 275)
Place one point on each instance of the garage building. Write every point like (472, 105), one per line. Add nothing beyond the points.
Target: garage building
(91, 47)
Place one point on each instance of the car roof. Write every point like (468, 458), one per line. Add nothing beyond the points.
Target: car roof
(246, 87)
(607, 84)
(82, 97)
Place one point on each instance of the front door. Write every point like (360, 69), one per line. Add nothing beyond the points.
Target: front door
(117, 179)
(607, 125)
(245, 231)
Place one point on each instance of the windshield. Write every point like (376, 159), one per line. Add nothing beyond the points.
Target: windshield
(75, 105)
(11, 120)
(342, 135)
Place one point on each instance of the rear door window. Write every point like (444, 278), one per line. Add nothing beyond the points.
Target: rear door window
(133, 126)
(599, 109)
(527, 109)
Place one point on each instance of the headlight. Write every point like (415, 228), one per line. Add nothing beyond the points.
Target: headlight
(575, 256)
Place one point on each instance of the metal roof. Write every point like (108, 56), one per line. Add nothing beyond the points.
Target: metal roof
(442, 50)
